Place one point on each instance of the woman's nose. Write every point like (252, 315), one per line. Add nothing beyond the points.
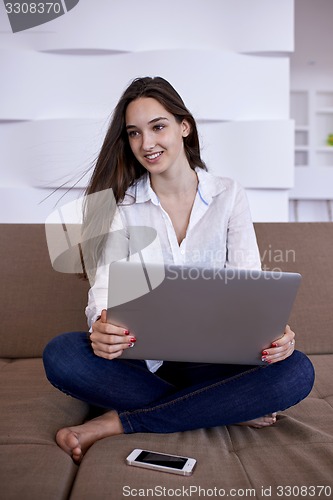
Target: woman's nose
(148, 142)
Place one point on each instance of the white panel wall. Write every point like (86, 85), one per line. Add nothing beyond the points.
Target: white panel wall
(269, 204)
(68, 148)
(51, 152)
(215, 84)
(132, 26)
(251, 152)
(229, 61)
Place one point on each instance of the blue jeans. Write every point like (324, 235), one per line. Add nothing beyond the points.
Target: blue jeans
(179, 396)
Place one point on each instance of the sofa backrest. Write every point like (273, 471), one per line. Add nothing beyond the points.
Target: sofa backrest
(306, 248)
(38, 303)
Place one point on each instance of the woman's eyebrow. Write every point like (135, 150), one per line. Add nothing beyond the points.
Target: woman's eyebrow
(151, 121)
(157, 119)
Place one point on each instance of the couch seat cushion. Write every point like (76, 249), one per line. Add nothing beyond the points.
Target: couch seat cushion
(35, 472)
(31, 409)
(296, 451)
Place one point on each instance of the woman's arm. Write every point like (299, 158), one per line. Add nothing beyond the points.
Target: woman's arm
(242, 248)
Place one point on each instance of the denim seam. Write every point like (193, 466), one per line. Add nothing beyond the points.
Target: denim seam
(124, 415)
(194, 393)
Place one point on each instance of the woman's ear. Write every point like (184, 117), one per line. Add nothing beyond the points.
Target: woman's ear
(186, 128)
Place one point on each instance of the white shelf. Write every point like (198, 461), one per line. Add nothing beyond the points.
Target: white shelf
(324, 111)
(299, 108)
(312, 110)
(324, 99)
(312, 184)
(327, 149)
(301, 158)
(301, 139)
(324, 160)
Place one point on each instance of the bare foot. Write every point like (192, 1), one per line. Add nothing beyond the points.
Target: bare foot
(77, 440)
(260, 422)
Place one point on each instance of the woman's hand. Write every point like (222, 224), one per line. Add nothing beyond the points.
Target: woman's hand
(281, 348)
(108, 341)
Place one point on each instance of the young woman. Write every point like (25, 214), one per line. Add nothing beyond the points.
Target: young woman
(151, 160)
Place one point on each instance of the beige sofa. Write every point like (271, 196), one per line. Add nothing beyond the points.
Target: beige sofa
(37, 303)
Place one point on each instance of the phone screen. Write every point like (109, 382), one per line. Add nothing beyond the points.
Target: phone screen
(148, 457)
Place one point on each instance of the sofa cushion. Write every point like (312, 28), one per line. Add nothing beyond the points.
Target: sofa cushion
(296, 451)
(106, 459)
(37, 302)
(301, 443)
(306, 248)
(31, 409)
(31, 413)
(32, 472)
(104, 474)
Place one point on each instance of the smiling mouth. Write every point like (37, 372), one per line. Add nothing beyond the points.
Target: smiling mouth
(153, 156)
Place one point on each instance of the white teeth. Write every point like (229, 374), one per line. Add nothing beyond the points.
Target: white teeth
(152, 157)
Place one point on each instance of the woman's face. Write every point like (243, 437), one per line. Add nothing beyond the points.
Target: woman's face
(155, 137)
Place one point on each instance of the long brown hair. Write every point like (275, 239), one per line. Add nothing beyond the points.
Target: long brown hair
(116, 166)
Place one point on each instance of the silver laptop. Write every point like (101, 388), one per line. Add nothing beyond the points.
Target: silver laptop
(199, 314)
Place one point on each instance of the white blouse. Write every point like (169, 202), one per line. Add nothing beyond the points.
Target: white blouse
(220, 234)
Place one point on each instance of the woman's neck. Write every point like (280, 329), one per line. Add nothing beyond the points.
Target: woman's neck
(175, 185)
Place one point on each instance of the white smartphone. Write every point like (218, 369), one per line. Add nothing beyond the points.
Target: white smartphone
(159, 461)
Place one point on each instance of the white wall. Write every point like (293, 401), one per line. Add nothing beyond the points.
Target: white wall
(228, 59)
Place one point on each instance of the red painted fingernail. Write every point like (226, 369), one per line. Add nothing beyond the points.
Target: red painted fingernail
(274, 344)
(263, 358)
(133, 339)
(126, 332)
(264, 353)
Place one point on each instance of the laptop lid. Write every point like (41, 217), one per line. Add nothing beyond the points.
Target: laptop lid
(186, 313)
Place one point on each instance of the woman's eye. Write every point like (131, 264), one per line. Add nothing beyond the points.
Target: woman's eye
(133, 133)
(158, 127)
